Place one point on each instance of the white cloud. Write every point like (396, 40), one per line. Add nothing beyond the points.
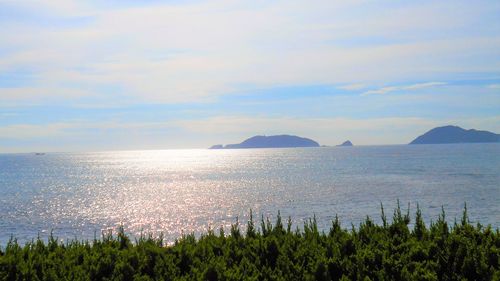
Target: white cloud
(29, 131)
(352, 87)
(412, 87)
(423, 85)
(494, 86)
(73, 129)
(27, 93)
(198, 51)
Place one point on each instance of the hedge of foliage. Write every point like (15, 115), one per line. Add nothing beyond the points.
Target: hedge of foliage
(391, 251)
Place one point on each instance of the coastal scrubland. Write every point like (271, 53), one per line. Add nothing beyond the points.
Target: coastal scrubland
(403, 248)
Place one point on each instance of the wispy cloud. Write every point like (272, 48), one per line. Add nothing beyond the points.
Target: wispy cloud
(203, 132)
(201, 50)
(352, 87)
(390, 130)
(222, 129)
(494, 86)
(412, 87)
(75, 128)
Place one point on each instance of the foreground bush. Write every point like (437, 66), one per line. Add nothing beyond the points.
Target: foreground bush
(391, 251)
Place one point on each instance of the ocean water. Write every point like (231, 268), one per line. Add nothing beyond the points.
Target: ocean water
(80, 195)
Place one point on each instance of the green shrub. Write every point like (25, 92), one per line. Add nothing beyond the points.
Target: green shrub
(391, 251)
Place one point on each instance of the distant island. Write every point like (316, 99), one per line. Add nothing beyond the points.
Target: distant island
(270, 142)
(346, 143)
(455, 134)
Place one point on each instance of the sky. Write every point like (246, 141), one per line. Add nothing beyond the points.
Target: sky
(119, 75)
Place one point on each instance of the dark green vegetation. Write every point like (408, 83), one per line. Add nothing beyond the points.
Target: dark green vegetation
(391, 251)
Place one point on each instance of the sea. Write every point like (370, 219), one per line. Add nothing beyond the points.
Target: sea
(176, 192)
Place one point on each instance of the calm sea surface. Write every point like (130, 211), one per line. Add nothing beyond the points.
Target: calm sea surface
(78, 195)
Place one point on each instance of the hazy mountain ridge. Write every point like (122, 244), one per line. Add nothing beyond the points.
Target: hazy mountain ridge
(455, 134)
(270, 142)
(346, 143)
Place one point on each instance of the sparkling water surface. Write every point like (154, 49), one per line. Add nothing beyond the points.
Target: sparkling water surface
(79, 195)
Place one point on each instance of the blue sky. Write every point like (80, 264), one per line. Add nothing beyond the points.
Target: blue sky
(83, 75)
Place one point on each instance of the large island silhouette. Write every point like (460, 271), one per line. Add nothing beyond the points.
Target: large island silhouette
(455, 134)
(270, 142)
